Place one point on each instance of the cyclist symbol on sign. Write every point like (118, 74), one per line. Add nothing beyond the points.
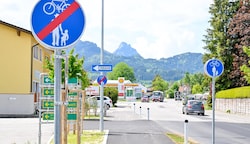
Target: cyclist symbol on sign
(214, 64)
(50, 7)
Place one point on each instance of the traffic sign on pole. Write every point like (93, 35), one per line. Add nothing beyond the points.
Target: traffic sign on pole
(46, 80)
(102, 79)
(102, 68)
(57, 24)
(213, 67)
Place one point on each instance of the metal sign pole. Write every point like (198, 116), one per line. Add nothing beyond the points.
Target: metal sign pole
(101, 107)
(213, 107)
(101, 61)
(57, 91)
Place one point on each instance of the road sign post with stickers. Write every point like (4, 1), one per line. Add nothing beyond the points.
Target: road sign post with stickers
(57, 25)
(213, 68)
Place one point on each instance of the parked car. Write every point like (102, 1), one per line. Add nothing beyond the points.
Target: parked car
(193, 106)
(106, 100)
(145, 98)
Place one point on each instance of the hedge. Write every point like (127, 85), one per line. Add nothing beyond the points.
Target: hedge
(241, 92)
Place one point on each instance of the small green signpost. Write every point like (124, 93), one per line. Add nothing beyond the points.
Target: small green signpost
(71, 116)
(72, 104)
(50, 104)
(48, 92)
(47, 104)
(72, 93)
(50, 116)
(47, 80)
(73, 81)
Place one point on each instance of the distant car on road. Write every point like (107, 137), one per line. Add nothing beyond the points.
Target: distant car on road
(106, 100)
(157, 96)
(193, 106)
(145, 98)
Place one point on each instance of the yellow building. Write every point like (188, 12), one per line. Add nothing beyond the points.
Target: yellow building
(21, 61)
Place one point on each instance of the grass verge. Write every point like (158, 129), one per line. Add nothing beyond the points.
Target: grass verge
(87, 137)
(177, 139)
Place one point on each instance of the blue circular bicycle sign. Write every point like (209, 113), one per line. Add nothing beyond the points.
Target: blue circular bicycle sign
(57, 24)
(213, 67)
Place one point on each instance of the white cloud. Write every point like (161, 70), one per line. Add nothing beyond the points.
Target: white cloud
(156, 28)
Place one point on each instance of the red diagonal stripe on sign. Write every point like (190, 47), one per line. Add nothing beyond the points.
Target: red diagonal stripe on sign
(101, 80)
(58, 20)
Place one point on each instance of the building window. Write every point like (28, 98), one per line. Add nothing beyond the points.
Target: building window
(35, 52)
(40, 55)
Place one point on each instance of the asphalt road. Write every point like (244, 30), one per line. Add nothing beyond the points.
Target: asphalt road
(229, 128)
(127, 127)
(128, 123)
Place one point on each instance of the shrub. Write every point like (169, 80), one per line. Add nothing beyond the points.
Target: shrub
(112, 93)
(209, 101)
(241, 92)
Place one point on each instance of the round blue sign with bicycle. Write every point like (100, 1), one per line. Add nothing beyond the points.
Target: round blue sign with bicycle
(57, 24)
(213, 67)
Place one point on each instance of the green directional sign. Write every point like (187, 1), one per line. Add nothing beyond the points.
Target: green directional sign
(72, 93)
(73, 81)
(48, 92)
(50, 116)
(47, 80)
(72, 116)
(72, 104)
(47, 104)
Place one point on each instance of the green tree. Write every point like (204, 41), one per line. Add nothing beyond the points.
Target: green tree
(111, 92)
(75, 68)
(239, 33)
(122, 70)
(159, 84)
(197, 89)
(173, 88)
(245, 68)
(217, 42)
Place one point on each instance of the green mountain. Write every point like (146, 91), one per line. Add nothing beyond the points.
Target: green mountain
(170, 69)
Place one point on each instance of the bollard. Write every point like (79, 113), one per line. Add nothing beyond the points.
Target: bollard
(134, 107)
(185, 132)
(140, 110)
(148, 113)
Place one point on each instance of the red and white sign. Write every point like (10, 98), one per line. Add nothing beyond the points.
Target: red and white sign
(121, 87)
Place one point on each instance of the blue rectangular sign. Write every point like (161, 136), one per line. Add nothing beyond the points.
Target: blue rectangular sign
(102, 68)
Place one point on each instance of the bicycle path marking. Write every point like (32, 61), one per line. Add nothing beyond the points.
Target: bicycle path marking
(58, 20)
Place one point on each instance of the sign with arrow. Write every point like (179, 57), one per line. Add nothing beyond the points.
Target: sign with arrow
(102, 68)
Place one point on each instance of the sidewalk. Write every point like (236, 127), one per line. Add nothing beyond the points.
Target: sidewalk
(127, 127)
(222, 116)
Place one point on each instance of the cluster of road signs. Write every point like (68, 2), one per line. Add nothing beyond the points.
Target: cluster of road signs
(102, 68)
(47, 97)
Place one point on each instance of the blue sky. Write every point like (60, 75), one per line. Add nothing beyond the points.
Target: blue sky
(155, 28)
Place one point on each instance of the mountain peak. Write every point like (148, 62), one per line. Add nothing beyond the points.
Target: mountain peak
(126, 50)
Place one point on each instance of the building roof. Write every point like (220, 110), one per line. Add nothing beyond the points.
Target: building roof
(15, 27)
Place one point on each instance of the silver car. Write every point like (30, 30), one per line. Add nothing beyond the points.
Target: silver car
(193, 106)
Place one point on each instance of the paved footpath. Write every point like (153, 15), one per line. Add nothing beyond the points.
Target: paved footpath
(126, 127)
